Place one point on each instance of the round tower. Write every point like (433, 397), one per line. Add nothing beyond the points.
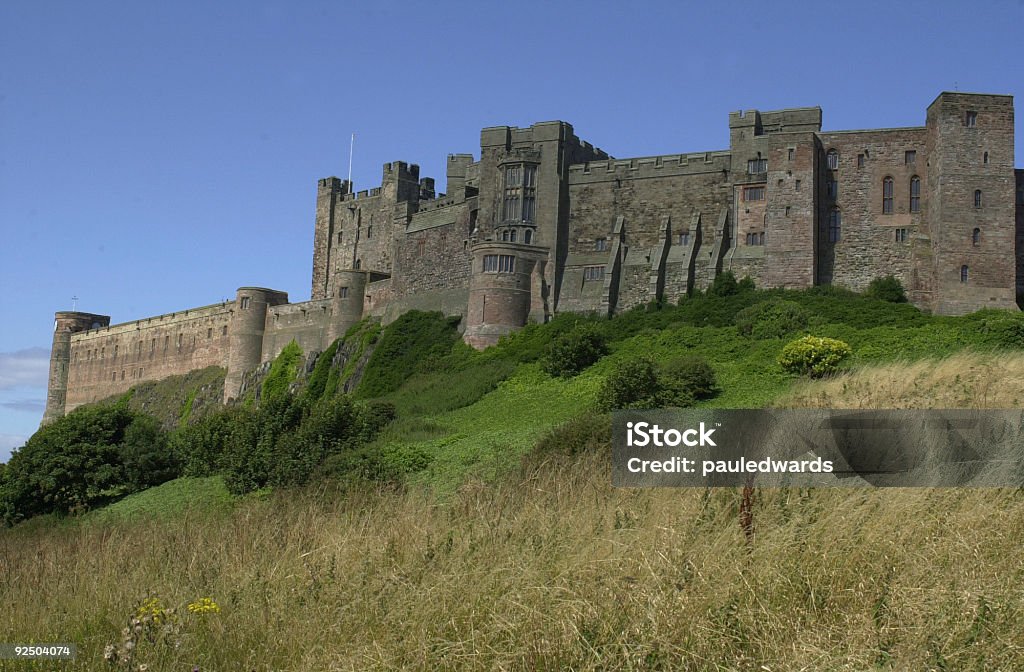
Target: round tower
(245, 333)
(66, 323)
(346, 303)
(501, 292)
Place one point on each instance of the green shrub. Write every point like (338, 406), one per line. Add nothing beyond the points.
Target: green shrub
(416, 341)
(584, 433)
(283, 371)
(633, 383)
(572, 352)
(888, 289)
(814, 356)
(999, 328)
(317, 384)
(686, 380)
(724, 284)
(771, 319)
(90, 457)
(746, 284)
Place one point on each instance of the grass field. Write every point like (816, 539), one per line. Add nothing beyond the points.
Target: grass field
(511, 550)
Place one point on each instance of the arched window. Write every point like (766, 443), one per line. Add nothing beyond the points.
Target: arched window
(963, 274)
(504, 236)
(359, 263)
(977, 198)
(976, 237)
(832, 159)
(915, 194)
(528, 237)
(835, 226)
(512, 236)
(887, 188)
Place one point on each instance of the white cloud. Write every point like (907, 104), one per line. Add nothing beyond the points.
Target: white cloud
(24, 368)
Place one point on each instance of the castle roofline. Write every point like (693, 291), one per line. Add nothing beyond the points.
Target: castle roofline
(970, 93)
(875, 130)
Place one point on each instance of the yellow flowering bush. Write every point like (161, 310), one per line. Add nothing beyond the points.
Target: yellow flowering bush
(204, 605)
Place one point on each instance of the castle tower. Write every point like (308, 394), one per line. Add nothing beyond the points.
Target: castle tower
(329, 192)
(971, 213)
(65, 324)
(506, 286)
(346, 303)
(246, 328)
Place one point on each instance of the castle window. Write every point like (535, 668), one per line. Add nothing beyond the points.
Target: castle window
(359, 263)
(909, 157)
(209, 332)
(499, 263)
(915, 194)
(984, 158)
(977, 198)
(684, 238)
(832, 189)
(901, 235)
(343, 293)
(512, 235)
(860, 160)
(116, 348)
(970, 121)
(753, 194)
(167, 342)
(504, 236)
(792, 152)
(976, 237)
(757, 166)
(832, 159)
(179, 341)
(369, 231)
(963, 274)
(787, 211)
(113, 375)
(528, 237)
(224, 330)
(887, 188)
(755, 238)
(245, 303)
(798, 185)
(593, 273)
(601, 244)
(520, 202)
(835, 226)
(420, 247)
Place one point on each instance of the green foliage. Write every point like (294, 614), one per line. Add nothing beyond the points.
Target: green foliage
(686, 380)
(584, 433)
(168, 500)
(416, 341)
(888, 289)
(724, 284)
(814, 356)
(746, 284)
(633, 383)
(318, 379)
(201, 446)
(998, 328)
(86, 459)
(389, 463)
(771, 319)
(572, 352)
(283, 371)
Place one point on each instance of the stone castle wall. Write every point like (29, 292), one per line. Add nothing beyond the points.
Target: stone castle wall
(787, 204)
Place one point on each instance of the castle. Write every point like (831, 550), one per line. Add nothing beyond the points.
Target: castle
(545, 223)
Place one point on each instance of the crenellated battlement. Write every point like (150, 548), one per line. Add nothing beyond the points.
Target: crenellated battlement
(650, 166)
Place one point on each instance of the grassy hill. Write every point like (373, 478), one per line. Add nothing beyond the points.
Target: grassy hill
(497, 541)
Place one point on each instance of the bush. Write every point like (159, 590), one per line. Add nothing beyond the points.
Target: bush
(633, 383)
(416, 341)
(283, 371)
(887, 289)
(724, 284)
(814, 356)
(771, 319)
(999, 328)
(86, 459)
(572, 352)
(686, 380)
(584, 433)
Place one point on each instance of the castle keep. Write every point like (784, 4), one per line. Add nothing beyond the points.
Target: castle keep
(544, 222)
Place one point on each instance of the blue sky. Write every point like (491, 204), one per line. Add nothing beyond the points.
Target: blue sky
(156, 156)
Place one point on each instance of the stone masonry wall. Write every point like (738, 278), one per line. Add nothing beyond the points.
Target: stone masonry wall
(110, 360)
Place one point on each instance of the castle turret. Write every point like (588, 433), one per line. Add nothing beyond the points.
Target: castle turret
(65, 324)
(248, 323)
(505, 287)
(347, 303)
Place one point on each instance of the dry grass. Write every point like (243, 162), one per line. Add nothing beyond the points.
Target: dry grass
(554, 569)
